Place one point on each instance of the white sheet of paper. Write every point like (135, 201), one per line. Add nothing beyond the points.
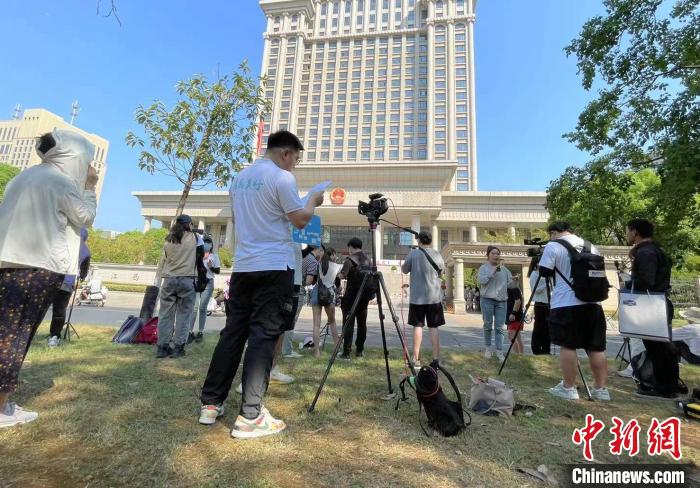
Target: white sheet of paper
(317, 188)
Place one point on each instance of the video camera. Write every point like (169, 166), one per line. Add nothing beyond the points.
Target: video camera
(375, 208)
(535, 252)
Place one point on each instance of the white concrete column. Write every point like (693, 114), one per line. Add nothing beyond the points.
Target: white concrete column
(459, 302)
(202, 224)
(473, 234)
(147, 224)
(379, 242)
(526, 284)
(511, 231)
(228, 242)
(471, 75)
(415, 226)
(436, 237)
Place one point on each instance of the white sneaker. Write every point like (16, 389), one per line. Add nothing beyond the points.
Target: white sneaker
(276, 376)
(601, 394)
(488, 353)
(265, 424)
(209, 413)
(500, 356)
(239, 388)
(13, 415)
(54, 341)
(293, 355)
(626, 373)
(563, 392)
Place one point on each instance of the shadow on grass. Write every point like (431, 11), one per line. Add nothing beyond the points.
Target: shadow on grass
(115, 416)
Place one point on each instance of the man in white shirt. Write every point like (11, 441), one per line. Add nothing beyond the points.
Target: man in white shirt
(265, 200)
(573, 324)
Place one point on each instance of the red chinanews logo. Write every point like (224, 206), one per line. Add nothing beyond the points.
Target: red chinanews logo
(338, 196)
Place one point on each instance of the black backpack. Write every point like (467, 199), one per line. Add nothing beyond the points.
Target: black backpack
(444, 415)
(588, 278)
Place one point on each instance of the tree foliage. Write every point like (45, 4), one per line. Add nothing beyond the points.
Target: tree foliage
(206, 136)
(7, 172)
(645, 54)
(129, 248)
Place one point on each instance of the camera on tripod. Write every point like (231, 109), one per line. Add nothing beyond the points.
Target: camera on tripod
(535, 252)
(375, 208)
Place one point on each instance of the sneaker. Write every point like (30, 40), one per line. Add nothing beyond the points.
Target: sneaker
(488, 354)
(600, 394)
(164, 352)
(653, 395)
(13, 415)
(276, 376)
(359, 354)
(265, 424)
(178, 352)
(190, 338)
(563, 392)
(209, 413)
(239, 388)
(199, 337)
(500, 356)
(626, 373)
(293, 355)
(345, 356)
(54, 341)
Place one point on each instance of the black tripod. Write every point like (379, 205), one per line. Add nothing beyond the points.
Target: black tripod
(522, 319)
(375, 275)
(68, 326)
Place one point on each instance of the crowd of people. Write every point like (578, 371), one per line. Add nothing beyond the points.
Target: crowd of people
(49, 207)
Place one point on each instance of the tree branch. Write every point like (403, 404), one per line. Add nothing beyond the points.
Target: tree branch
(112, 11)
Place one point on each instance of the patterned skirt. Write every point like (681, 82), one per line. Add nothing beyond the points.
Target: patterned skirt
(25, 296)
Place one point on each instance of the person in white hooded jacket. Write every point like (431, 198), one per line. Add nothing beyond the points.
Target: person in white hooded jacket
(41, 216)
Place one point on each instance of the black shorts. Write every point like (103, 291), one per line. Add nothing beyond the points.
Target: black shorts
(433, 313)
(578, 327)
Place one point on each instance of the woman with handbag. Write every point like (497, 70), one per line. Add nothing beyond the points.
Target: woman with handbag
(323, 296)
(179, 271)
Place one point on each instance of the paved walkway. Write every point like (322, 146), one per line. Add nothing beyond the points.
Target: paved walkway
(461, 331)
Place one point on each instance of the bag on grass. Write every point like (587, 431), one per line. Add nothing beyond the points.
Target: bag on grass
(491, 397)
(128, 331)
(148, 333)
(444, 415)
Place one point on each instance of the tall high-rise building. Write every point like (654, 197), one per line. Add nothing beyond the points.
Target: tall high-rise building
(378, 81)
(18, 140)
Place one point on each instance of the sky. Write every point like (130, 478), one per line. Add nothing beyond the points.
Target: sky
(528, 92)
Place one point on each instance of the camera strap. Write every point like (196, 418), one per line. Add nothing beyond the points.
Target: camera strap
(430, 260)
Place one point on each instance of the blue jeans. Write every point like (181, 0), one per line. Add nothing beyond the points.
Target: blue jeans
(201, 304)
(494, 314)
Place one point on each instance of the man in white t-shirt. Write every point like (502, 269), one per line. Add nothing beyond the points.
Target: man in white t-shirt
(265, 200)
(573, 324)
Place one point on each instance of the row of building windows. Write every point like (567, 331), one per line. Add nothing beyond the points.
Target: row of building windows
(8, 133)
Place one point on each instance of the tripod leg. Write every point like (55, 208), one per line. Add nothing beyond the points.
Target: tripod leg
(350, 320)
(583, 379)
(395, 318)
(522, 320)
(381, 326)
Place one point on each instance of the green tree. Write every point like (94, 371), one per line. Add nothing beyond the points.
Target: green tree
(7, 172)
(645, 54)
(207, 135)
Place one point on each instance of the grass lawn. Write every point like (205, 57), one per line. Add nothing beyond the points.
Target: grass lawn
(113, 415)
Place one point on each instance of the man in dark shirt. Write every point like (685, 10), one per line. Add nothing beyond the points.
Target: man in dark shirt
(355, 265)
(651, 271)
